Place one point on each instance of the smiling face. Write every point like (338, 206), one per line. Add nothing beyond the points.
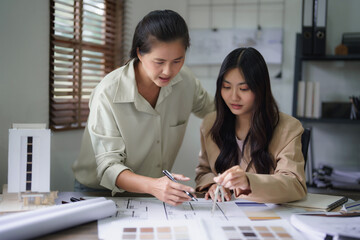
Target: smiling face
(163, 62)
(236, 94)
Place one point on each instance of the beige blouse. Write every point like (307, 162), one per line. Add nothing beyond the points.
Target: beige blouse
(125, 132)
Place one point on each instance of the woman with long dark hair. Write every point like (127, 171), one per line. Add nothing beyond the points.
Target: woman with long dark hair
(139, 113)
(247, 145)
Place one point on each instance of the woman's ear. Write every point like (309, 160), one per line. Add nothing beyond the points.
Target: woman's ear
(138, 54)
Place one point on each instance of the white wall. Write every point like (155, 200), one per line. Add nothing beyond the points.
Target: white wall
(24, 66)
(24, 84)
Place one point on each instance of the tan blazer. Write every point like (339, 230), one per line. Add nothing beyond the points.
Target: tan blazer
(286, 183)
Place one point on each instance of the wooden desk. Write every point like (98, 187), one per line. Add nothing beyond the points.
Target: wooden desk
(90, 231)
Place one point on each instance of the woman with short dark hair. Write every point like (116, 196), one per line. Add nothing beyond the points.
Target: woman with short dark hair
(139, 113)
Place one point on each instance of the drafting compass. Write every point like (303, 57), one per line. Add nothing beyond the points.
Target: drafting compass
(219, 190)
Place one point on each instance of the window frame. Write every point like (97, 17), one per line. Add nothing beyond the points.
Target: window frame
(69, 90)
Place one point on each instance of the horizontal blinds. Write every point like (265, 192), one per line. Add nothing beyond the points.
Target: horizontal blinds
(83, 41)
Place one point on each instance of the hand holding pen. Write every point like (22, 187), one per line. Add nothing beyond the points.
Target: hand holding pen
(172, 178)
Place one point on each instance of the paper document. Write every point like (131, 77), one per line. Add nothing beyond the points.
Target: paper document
(153, 209)
(131, 211)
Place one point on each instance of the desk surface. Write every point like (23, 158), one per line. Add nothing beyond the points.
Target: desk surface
(90, 230)
(85, 231)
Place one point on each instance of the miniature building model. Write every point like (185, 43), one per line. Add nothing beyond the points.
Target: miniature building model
(29, 159)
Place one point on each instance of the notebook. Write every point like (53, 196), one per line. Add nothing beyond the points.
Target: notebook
(319, 202)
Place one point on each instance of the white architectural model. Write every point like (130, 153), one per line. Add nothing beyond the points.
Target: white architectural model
(29, 163)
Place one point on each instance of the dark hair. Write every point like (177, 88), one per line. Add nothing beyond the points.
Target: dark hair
(161, 25)
(264, 119)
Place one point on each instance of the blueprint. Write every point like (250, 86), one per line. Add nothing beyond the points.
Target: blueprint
(135, 215)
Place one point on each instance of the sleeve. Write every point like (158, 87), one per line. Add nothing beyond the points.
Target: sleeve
(204, 175)
(107, 142)
(286, 184)
(203, 103)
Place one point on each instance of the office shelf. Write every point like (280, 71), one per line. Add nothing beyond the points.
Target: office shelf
(331, 58)
(299, 59)
(308, 122)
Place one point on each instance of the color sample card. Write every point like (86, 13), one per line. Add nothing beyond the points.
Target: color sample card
(267, 230)
(163, 230)
(257, 211)
(160, 232)
(261, 215)
(249, 232)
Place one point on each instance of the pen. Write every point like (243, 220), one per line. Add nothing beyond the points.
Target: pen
(351, 214)
(168, 174)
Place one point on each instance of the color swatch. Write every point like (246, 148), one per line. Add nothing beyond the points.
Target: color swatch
(257, 211)
(163, 230)
(160, 232)
(261, 215)
(241, 232)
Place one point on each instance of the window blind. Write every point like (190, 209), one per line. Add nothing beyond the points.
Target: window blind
(85, 44)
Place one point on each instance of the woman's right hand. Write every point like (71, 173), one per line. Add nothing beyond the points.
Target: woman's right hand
(171, 192)
(211, 193)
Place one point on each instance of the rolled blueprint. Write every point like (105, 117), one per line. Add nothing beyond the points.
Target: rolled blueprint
(43, 221)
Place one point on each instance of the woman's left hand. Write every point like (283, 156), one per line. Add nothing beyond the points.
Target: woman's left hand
(233, 178)
(211, 193)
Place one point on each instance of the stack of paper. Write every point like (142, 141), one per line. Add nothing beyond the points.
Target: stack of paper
(43, 221)
(345, 176)
(326, 176)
